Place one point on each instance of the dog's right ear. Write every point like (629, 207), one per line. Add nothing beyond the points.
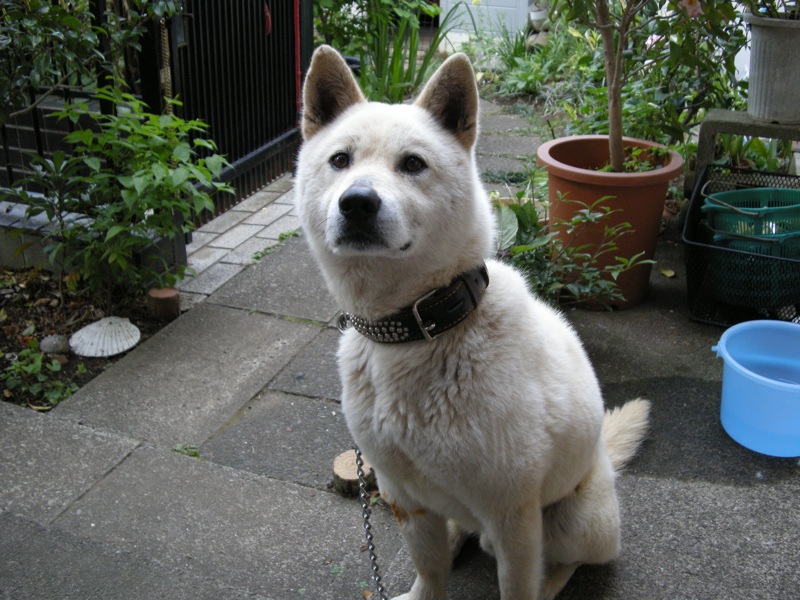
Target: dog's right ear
(329, 90)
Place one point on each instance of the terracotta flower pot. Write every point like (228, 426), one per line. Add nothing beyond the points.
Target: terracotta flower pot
(572, 165)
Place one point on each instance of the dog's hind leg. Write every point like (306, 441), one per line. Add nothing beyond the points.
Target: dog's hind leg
(427, 539)
(584, 527)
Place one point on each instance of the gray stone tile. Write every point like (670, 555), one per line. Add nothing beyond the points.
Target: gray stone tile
(39, 562)
(283, 225)
(203, 258)
(185, 382)
(247, 252)
(313, 372)
(225, 221)
(257, 201)
(268, 214)
(210, 279)
(287, 282)
(235, 235)
(235, 529)
(199, 239)
(46, 463)
(310, 433)
(282, 184)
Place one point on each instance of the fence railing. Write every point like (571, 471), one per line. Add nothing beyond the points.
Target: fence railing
(236, 65)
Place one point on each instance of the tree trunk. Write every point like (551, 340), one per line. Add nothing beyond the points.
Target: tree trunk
(612, 58)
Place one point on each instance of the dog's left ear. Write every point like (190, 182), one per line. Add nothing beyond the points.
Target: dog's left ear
(451, 96)
(329, 90)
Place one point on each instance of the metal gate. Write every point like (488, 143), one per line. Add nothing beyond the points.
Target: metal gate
(238, 66)
(235, 64)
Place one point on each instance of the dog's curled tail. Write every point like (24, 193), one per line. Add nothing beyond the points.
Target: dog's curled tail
(624, 429)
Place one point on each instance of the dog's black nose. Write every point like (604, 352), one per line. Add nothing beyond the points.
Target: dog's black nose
(359, 203)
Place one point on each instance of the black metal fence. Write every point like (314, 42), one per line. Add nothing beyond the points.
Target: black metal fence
(237, 65)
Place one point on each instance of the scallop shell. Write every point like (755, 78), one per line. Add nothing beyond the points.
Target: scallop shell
(106, 337)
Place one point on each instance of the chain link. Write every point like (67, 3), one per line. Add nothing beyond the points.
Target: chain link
(365, 513)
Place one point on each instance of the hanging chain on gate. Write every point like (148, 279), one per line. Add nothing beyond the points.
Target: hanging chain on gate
(365, 513)
(166, 72)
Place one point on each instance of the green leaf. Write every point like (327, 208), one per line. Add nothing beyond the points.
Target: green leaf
(182, 152)
(93, 162)
(114, 231)
(507, 227)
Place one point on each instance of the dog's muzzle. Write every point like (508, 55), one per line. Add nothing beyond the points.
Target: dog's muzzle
(359, 208)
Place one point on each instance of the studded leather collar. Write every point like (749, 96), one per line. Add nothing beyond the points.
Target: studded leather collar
(430, 316)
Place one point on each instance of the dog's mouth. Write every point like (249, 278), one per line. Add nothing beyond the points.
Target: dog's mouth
(364, 242)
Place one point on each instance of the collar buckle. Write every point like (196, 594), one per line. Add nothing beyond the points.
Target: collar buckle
(425, 328)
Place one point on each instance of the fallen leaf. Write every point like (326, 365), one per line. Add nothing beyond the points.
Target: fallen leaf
(667, 272)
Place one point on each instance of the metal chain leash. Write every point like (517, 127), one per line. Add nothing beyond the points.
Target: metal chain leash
(365, 513)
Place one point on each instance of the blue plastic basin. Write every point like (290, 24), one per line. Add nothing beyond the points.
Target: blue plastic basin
(761, 386)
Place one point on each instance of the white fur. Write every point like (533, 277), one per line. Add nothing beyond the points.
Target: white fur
(496, 425)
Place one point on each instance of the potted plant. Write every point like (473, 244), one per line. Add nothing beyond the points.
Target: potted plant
(774, 81)
(583, 169)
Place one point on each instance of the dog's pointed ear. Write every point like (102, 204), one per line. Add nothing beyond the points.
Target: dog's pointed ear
(329, 90)
(451, 96)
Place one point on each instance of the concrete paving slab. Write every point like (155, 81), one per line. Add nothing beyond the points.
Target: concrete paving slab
(258, 201)
(275, 539)
(282, 184)
(285, 224)
(46, 464)
(185, 382)
(247, 252)
(39, 562)
(510, 145)
(213, 277)
(291, 438)
(701, 540)
(225, 221)
(199, 239)
(503, 123)
(314, 371)
(204, 257)
(235, 235)
(278, 283)
(268, 214)
(501, 164)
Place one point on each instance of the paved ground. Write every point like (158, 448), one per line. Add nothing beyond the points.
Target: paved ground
(94, 502)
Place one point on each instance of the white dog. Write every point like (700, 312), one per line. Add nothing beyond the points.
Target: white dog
(474, 401)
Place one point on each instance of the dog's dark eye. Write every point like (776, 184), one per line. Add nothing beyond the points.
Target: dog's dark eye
(413, 164)
(340, 161)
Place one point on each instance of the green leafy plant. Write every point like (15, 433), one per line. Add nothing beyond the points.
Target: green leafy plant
(385, 36)
(48, 45)
(645, 35)
(787, 9)
(29, 374)
(738, 151)
(557, 270)
(134, 179)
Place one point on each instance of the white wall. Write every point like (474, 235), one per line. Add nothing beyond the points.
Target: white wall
(488, 14)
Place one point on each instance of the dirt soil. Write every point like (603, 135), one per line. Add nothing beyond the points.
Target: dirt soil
(31, 307)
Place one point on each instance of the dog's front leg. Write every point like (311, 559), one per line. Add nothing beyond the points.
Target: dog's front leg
(426, 537)
(517, 544)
